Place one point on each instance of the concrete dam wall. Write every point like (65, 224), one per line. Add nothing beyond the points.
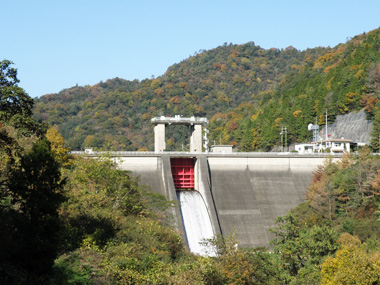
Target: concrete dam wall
(242, 193)
(250, 193)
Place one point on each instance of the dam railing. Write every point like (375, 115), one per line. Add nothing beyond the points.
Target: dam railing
(182, 153)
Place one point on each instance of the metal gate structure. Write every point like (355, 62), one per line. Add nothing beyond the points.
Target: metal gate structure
(183, 172)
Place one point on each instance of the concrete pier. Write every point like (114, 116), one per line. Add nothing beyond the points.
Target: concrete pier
(196, 138)
(195, 125)
(159, 138)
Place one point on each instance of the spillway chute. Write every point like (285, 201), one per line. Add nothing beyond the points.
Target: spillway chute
(197, 222)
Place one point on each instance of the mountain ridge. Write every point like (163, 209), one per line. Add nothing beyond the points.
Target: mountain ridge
(247, 92)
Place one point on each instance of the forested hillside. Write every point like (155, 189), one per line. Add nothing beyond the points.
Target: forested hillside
(247, 92)
(345, 79)
(117, 113)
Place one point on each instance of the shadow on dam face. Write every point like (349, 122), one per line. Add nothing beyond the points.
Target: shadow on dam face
(241, 194)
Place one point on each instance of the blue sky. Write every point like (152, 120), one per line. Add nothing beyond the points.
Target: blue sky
(58, 44)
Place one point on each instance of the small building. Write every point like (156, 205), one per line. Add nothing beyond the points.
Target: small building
(221, 149)
(88, 151)
(304, 148)
(333, 145)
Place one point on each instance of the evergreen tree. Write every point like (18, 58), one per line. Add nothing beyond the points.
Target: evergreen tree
(375, 134)
(29, 237)
(30, 187)
(246, 142)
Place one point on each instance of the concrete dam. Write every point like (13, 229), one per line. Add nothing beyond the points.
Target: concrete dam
(221, 192)
(242, 192)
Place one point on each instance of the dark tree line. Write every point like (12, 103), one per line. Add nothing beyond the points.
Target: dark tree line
(31, 187)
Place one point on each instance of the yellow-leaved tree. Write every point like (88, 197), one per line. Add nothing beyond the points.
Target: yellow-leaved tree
(352, 264)
(57, 145)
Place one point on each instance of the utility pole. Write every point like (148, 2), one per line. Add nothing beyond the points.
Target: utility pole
(283, 132)
(326, 132)
(316, 132)
(286, 149)
(326, 127)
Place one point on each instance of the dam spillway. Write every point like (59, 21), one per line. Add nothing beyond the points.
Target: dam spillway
(242, 192)
(196, 221)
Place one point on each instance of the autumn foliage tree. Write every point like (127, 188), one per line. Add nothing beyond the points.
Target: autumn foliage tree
(352, 264)
(58, 147)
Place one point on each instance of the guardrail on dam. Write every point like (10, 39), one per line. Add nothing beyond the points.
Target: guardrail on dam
(243, 192)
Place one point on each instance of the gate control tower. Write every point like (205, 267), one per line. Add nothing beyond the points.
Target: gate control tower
(195, 126)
